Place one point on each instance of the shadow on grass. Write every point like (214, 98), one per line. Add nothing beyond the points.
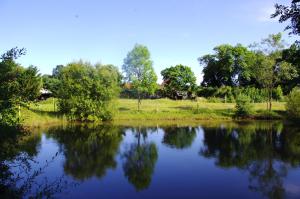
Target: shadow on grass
(46, 113)
(186, 108)
(124, 109)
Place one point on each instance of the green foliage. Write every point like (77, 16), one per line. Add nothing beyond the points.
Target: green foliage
(278, 93)
(228, 66)
(178, 79)
(206, 91)
(293, 104)
(87, 92)
(244, 108)
(139, 71)
(292, 56)
(51, 83)
(18, 85)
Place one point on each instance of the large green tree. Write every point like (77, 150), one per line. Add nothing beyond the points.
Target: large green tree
(228, 66)
(139, 71)
(87, 92)
(178, 79)
(18, 85)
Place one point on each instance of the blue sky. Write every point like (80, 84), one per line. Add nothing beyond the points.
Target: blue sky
(175, 31)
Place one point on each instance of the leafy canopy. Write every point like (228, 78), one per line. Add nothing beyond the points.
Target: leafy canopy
(138, 70)
(228, 66)
(178, 78)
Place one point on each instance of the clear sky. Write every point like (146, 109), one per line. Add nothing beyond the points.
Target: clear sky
(175, 31)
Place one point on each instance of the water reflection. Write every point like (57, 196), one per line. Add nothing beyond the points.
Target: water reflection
(266, 153)
(179, 138)
(88, 151)
(263, 153)
(20, 172)
(139, 160)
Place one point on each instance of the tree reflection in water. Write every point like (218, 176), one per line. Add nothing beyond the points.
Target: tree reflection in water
(139, 160)
(265, 153)
(88, 151)
(179, 138)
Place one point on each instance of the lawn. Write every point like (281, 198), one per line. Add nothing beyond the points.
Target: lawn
(164, 110)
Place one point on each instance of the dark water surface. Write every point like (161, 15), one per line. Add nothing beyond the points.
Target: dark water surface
(229, 160)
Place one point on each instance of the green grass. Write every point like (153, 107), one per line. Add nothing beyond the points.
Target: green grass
(42, 113)
(166, 109)
(158, 110)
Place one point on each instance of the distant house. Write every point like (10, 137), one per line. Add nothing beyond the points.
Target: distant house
(44, 94)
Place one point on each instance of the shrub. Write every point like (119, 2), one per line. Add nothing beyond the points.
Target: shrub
(87, 92)
(293, 104)
(243, 106)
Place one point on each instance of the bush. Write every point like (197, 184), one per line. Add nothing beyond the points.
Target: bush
(243, 106)
(293, 104)
(87, 92)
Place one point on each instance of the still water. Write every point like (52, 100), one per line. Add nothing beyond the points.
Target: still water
(224, 160)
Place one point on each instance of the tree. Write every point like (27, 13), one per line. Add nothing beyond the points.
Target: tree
(110, 70)
(178, 79)
(270, 68)
(18, 85)
(87, 92)
(291, 13)
(228, 66)
(139, 71)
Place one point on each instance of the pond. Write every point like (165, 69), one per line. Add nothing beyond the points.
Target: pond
(219, 160)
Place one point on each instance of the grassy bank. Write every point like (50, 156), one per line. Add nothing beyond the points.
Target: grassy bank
(163, 110)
